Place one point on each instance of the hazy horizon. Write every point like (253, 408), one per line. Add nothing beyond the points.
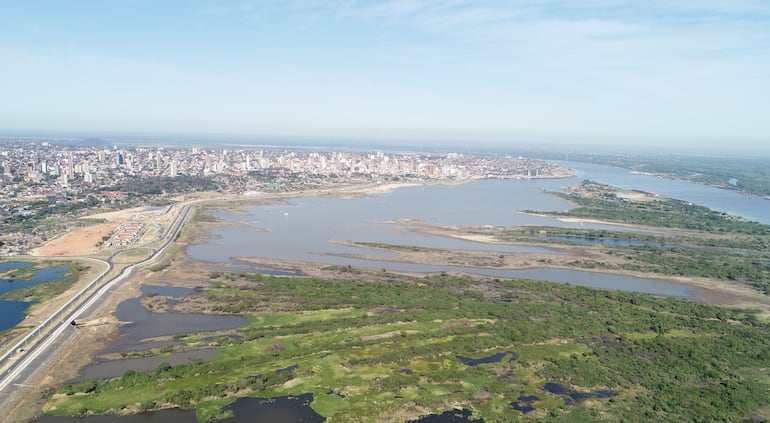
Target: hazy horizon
(248, 141)
(688, 77)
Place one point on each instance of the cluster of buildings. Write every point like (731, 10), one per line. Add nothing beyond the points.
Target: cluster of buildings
(39, 177)
(40, 168)
(125, 235)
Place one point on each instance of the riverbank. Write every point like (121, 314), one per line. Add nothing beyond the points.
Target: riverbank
(596, 258)
(180, 271)
(709, 290)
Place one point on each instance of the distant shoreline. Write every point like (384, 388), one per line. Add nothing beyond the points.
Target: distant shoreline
(711, 291)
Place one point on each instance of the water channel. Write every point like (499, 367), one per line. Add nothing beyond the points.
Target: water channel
(140, 323)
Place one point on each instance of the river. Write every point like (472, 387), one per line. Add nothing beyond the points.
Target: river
(303, 228)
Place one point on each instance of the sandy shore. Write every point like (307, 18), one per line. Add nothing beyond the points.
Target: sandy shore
(711, 291)
(707, 290)
(594, 221)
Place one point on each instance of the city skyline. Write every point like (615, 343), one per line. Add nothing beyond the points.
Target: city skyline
(692, 75)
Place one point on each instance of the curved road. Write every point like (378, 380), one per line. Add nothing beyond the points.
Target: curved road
(24, 367)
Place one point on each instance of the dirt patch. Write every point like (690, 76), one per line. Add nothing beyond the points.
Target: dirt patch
(292, 383)
(118, 216)
(78, 242)
(637, 196)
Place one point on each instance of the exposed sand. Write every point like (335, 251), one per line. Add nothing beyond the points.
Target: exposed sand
(118, 216)
(383, 188)
(83, 241)
(78, 242)
(706, 290)
(597, 222)
(359, 191)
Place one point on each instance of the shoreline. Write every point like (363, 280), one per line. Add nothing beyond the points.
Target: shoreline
(707, 289)
(714, 292)
(710, 291)
(703, 290)
(675, 177)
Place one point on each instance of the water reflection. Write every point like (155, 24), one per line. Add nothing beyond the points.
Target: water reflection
(302, 230)
(115, 368)
(287, 409)
(12, 312)
(143, 324)
(452, 416)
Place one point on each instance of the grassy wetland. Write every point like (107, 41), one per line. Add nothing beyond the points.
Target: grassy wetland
(46, 291)
(381, 346)
(394, 350)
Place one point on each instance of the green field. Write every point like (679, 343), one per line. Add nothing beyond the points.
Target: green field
(387, 351)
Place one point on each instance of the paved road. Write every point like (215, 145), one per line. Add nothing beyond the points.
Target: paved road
(49, 339)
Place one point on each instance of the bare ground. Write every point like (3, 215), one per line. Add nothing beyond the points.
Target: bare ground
(78, 242)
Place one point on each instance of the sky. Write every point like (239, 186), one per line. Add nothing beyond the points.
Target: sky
(686, 72)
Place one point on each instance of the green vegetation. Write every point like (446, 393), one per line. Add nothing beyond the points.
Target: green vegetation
(740, 174)
(716, 246)
(44, 209)
(390, 349)
(135, 252)
(660, 238)
(599, 201)
(735, 258)
(19, 273)
(156, 185)
(44, 291)
(160, 267)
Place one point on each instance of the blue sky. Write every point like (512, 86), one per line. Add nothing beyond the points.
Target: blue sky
(686, 72)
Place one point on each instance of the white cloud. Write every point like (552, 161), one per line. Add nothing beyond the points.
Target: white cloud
(501, 66)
